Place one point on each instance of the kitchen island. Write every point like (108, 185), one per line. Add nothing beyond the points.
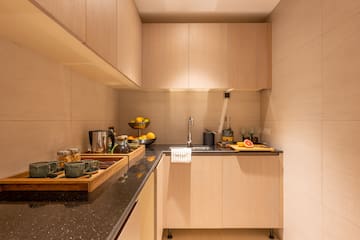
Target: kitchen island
(97, 215)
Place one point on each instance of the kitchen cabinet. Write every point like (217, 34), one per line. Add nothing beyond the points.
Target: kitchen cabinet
(248, 56)
(101, 28)
(191, 193)
(141, 222)
(69, 13)
(252, 192)
(129, 46)
(208, 55)
(165, 55)
(219, 192)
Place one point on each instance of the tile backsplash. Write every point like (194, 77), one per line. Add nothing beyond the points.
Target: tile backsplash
(45, 107)
(169, 112)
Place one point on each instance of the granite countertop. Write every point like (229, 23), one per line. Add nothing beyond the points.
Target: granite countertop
(78, 215)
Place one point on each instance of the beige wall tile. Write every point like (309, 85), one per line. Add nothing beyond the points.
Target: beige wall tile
(341, 74)
(23, 142)
(336, 12)
(31, 87)
(294, 23)
(311, 113)
(341, 169)
(169, 112)
(297, 85)
(337, 227)
(45, 107)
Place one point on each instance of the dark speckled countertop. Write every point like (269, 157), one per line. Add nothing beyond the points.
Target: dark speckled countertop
(75, 215)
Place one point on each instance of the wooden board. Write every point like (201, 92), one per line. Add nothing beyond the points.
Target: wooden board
(256, 148)
(22, 182)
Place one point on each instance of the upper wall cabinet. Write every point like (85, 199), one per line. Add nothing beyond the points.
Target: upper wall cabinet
(101, 28)
(129, 40)
(248, 56)
(207, 55)
(165, 55)
(70, 13)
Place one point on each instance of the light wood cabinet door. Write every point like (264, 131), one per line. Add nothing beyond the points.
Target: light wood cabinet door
(141, 222)
(70, 13)
(252, 192)
(208, 55)
(165, 56)
(101, 35)
(248, 56)
(193, 193)
(129, 28)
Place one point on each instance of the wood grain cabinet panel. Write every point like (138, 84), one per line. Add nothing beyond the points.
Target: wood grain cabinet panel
(225, 192)
(165, 55)
(208, 55)
(192, 193)
(141, 222)
(129, 46)
(252, 192)
(248, 56)
(70, 13)
(101, 28)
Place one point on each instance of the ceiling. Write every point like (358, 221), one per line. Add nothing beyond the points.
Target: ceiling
(205, 10)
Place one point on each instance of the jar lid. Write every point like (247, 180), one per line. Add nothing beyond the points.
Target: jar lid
(63, 153)
(74, 150)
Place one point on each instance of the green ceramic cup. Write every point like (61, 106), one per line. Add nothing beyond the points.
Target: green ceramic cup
(39, 169)
(74, 169)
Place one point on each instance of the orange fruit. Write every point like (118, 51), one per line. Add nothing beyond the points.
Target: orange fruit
(151, 135)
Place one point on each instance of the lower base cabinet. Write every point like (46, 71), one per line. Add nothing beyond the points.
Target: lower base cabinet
(219, 192)
(141, 222)
(252, 192)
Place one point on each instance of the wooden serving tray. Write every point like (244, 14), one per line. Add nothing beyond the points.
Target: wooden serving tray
(256, 148)
(22, 182)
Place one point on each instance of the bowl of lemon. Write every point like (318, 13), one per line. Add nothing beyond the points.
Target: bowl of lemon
(147, 139)
(139, 123)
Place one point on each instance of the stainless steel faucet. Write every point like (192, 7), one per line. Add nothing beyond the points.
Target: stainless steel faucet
(189, 137)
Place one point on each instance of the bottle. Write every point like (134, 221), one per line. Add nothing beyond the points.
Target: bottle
(227, 132)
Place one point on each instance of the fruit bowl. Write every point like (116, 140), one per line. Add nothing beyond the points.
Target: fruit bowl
(139, 125)
(147, 142)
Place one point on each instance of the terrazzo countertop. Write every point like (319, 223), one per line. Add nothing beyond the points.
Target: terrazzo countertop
(78, 215)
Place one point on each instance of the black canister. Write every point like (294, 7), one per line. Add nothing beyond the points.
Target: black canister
(209, 138)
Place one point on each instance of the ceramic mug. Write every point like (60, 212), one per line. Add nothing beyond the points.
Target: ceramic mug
(91, 165)
(39, 169)
(75, 169)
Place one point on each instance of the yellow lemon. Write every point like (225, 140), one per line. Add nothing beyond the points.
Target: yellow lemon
(151, 135)
(143, 137)
(139, 119)
(146, 120)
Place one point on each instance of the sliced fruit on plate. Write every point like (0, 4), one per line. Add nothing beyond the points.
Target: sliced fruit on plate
(248, 143)
(240, 144)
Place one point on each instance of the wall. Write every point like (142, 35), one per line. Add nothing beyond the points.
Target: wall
(44, 107)
(169, 112)
(312, 114)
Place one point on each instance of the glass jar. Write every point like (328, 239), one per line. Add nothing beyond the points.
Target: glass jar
(75, 154)
(63, 156)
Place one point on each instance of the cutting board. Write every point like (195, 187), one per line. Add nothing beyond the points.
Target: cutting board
(256, 148)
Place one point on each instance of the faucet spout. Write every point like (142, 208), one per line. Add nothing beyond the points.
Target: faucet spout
(189, 137)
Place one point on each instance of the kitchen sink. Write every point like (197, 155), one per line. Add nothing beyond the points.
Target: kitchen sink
(198, 148)
(201, 148)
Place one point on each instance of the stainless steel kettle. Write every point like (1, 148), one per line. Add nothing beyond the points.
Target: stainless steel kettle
(100, 141)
